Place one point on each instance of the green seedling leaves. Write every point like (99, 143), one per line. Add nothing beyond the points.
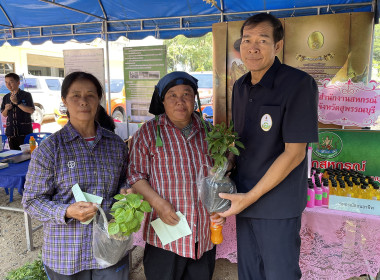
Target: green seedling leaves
(220, 140)
(128, 213)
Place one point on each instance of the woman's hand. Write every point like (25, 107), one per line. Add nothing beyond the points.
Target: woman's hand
(126, 191)
(166, 212)
(218, 220)
(81, 211)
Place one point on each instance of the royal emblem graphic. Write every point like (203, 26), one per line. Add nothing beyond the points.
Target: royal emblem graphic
(329, 146)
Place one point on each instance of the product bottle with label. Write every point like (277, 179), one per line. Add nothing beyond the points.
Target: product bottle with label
(310, 195)
(318, 193)
(326, 192)
(32, 143)
(364, 194)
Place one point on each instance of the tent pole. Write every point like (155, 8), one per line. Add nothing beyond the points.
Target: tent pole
(108, 68)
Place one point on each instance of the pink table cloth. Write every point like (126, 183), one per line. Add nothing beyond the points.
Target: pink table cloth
(335, 244)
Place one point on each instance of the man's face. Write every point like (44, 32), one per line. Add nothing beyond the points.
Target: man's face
(11, 84)
(258, 49)
(179, 104)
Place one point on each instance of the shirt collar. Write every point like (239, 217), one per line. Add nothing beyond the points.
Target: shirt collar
(268, 79)
(70, 133)
(163, 120)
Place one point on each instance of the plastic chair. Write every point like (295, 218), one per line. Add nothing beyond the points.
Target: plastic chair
(39, 137)
(36, 126)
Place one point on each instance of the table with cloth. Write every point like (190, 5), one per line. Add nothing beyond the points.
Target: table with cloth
(13, 177)
(335, 244)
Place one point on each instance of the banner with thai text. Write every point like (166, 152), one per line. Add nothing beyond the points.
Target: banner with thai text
(351, 149)
(348, 103)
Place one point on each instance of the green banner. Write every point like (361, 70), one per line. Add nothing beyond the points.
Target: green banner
(351, 149)
(143, 68)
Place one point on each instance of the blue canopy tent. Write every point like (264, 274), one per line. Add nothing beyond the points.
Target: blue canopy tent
(84, 20)
(59, 21)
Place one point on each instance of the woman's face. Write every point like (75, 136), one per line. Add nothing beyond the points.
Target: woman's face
(82, 101)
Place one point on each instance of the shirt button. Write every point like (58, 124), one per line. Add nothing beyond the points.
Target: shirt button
(94, 172)
(250, 100)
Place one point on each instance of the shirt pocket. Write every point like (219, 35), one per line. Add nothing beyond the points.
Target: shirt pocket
(269, 121)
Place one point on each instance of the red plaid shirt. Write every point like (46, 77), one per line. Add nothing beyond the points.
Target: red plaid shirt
(171, 171)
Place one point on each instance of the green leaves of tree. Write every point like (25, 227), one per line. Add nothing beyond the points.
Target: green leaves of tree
(128, 212)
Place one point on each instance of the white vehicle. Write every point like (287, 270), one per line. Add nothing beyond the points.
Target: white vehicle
(46, 92)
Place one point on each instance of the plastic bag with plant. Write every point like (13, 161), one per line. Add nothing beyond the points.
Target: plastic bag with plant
(112, 232)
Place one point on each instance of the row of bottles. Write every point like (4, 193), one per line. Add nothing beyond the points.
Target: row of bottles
(340, 182)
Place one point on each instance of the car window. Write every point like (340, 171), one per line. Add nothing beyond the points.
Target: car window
(204, 80)
(53, 84)
(117, 85)
(31, 83)
(3, 88)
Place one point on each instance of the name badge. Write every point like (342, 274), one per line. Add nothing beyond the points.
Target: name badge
(266, 122)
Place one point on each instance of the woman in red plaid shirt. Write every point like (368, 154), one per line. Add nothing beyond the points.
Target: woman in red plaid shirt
(166, 154)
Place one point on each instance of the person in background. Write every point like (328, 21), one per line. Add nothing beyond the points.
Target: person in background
(274, 110)
(165, 157)
(81, 152)
(17, 107)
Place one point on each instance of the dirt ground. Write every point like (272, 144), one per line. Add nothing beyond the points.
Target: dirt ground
(13, 252)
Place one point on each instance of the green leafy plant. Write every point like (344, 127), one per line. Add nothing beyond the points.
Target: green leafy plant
(30, 271)
(128, 213)
(222, 139)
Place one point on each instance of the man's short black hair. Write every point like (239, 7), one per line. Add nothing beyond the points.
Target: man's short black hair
(14, 76)
(278, 30)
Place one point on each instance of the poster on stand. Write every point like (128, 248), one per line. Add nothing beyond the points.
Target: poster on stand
(86, 60)
(143, 68)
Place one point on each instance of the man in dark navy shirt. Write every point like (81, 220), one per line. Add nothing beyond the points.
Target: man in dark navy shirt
(17, 107)
(274, 109)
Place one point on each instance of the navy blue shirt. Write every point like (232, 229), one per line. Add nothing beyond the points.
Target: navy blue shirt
(19, 123)
(281, 108)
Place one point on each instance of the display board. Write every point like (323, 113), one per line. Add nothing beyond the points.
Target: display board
(143, 68)
(86, 60)
(351, 149)
(332, 48)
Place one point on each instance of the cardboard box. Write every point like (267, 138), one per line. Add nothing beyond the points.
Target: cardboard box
(356, 205)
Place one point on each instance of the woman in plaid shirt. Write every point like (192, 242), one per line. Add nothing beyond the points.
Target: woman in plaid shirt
(165, 157)
(81, 152)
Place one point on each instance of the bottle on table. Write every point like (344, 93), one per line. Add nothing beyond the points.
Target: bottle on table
(325, 192)
(310, 194)
(364, 193)
(375, 191)
(341, 188)
(32, 143)
(334, 188)
(350, 189)
(318, 193)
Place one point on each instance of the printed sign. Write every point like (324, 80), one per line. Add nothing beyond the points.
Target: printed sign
(348, 103)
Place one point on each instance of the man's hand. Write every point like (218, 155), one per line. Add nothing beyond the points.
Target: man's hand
(8, 106)
(14, 98)
(166, 212)
(239, 201)
(217, 219)
(81, 211)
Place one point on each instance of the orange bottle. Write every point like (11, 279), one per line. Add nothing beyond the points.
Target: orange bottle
(32, 143)
(216, 233)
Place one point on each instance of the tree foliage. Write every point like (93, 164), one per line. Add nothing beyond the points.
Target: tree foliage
(376, 48)
(189, 54)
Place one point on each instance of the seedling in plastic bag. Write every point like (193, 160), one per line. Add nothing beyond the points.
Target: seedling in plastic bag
(128, 213)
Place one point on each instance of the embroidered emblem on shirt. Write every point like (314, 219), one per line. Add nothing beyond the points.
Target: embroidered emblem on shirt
(266, 122)
(71, 164)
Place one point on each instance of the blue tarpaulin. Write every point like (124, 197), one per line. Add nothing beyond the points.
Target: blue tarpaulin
(84, 20)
